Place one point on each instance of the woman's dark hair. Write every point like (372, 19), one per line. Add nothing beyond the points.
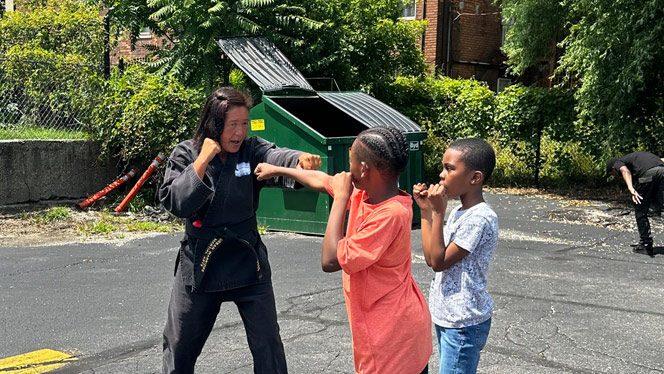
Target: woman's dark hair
(477, 154)
(384, 147)
(214, 113)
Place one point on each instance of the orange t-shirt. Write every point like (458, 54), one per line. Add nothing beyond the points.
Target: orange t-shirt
(389, 317)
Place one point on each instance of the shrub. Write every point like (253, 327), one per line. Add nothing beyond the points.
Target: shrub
(514, 122)
(60, 84)
(447, 108)
(141, 114)
(527, 113)
(511, 170)
(50, 57)
(433, 150)
(64, 27)
(522, 112)
(564, 164)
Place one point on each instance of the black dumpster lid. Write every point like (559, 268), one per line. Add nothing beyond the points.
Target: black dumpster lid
(370, 111)
(263, 62)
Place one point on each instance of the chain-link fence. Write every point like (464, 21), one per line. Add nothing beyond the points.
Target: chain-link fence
(37, 102)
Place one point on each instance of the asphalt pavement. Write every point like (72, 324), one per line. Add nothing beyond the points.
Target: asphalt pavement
(569, 298)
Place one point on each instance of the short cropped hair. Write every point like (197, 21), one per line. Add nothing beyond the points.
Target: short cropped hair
(477, 154)
(384, 147)
(610, 163)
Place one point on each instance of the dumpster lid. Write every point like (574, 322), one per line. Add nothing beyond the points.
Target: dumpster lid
(263, 62)
(370, 111)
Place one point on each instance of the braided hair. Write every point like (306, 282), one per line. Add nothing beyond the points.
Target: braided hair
(384, 147)
(214, 112)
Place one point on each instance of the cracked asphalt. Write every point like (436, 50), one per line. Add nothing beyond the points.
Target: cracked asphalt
(570, 297)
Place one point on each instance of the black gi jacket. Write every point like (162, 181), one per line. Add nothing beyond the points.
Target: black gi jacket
(227, 251)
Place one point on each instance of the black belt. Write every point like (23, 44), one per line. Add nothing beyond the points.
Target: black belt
(217, 236)
(231, 231)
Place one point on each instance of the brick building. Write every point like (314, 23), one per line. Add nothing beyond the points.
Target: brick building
(463, 39)
(124, 50)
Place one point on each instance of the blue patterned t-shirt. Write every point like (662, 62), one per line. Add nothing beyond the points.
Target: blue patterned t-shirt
(458, 296)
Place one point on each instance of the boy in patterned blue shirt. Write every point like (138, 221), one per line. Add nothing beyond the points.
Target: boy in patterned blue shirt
(460, 253)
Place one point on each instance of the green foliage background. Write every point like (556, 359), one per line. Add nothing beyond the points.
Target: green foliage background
(361, 43)
(451, 109)
(141, 114)
(189, 52)
(51, 54)
(609, 52)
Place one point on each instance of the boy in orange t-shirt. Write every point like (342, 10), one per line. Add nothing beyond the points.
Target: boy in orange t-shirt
(389, 317)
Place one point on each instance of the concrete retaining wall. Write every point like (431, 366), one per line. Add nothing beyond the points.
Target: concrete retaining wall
(34, 170)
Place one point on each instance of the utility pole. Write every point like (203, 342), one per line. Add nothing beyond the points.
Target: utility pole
(107, 44)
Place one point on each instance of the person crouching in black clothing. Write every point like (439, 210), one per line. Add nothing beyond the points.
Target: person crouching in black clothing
(643, 172)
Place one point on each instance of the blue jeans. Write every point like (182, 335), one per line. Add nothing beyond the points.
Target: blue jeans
(459, 349)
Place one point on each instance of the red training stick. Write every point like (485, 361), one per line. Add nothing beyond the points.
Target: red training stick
(139, 183)
(101, 193)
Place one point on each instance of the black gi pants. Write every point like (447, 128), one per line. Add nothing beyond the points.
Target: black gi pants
(191, 317)
(651, 187)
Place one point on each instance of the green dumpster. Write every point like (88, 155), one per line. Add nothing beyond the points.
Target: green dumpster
(293, 115)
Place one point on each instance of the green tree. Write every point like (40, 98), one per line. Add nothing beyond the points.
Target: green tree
(537, 25)
(189, 27)
(527, 114)
(358, 42)
(362, 43)
(611, 51)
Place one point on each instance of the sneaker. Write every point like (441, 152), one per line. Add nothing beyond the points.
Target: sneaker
(644, 248)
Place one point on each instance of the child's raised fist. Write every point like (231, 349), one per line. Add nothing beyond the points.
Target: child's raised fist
(438, 198)
(421, 196)
(265, 171)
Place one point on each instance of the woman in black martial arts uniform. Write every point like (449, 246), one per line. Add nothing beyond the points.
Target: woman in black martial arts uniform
(209, 181)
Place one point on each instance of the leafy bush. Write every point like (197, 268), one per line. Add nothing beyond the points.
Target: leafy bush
(50, 58)
(141, 114)
(514, 122)
(567, 164)
(433, 149)
(64, 27)
(563, 164)
(527, 113)
(43, 76)
(522, 112)
(447, 108)
(511, 170)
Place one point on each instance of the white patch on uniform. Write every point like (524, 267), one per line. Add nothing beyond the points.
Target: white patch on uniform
(242, 169)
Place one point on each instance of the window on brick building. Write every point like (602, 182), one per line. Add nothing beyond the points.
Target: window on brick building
(407, 9)
(145, 33)
(502, 84)
(507, 23)
(8, 6)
